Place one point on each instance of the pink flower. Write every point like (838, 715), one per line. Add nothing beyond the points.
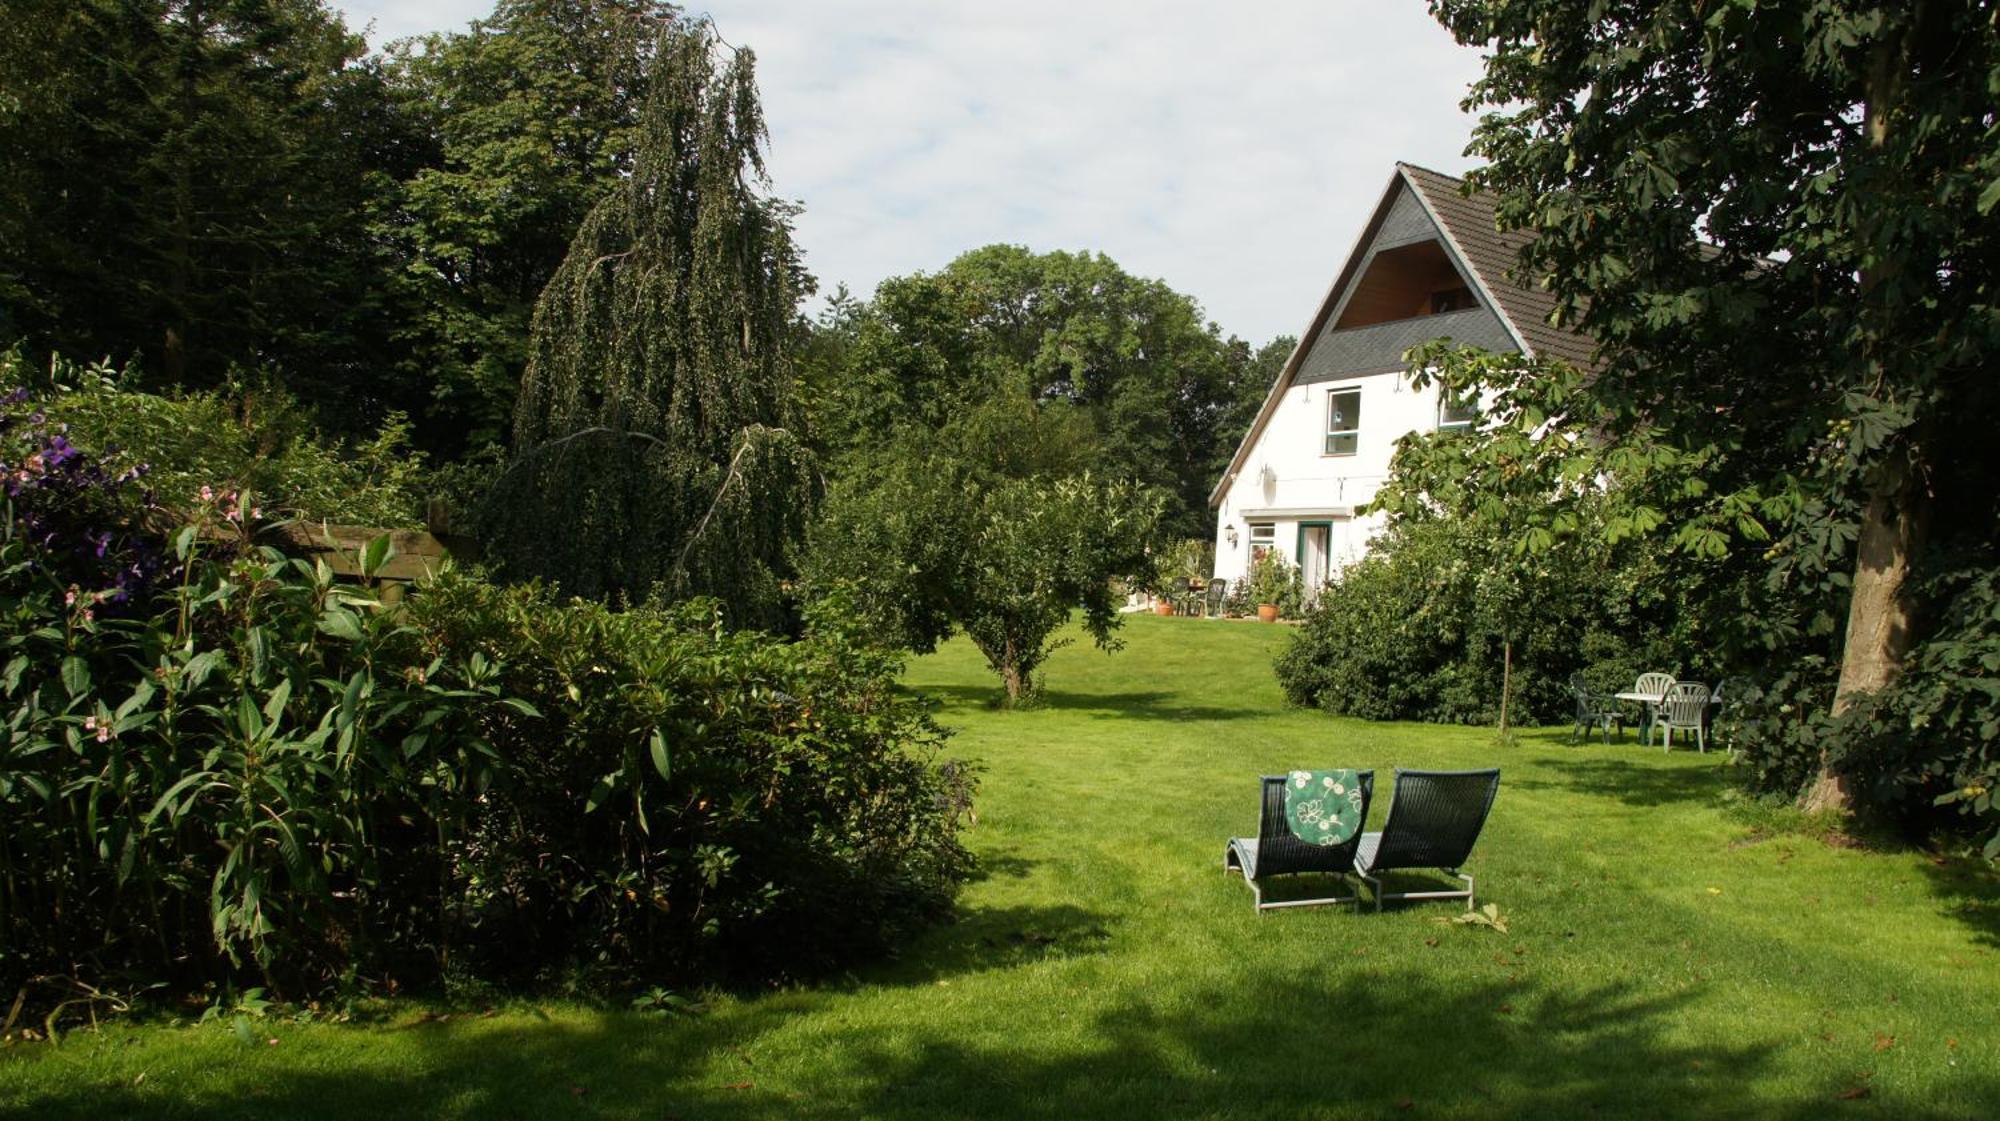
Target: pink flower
(207, 494)
(34, 463)
(101, 727)
(69, 598)
(89, 616)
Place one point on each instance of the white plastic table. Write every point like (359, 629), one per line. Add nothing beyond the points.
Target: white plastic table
(1647, 703)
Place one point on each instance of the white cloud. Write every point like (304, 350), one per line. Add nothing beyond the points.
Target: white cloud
(1232, 151)
(397, 19)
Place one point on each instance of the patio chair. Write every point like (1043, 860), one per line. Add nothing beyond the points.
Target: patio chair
(1433, 821)
(1218, 590)
(1594, 710)
(1685, 708)
(1276, 852)
(1654, 683)
(1657, 685)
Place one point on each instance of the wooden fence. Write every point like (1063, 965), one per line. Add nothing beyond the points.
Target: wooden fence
(414, 552)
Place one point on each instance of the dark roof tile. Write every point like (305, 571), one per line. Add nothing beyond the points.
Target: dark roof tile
(1470, 221)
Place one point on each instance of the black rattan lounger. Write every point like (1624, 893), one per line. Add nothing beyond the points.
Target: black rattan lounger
(1276, 852)
(1436, 817)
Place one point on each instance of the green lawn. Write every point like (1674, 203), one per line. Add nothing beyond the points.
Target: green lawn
(1665, 959)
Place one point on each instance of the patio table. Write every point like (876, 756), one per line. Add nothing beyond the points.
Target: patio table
(1647, 702)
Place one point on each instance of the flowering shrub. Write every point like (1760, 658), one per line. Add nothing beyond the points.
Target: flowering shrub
(217, 763)
(72, 512)
(253, 439)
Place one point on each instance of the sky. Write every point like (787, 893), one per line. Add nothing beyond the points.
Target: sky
(1233, 151)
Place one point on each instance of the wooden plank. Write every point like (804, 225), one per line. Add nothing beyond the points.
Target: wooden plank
(414, 553)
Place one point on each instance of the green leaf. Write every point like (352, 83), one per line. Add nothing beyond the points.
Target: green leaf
(173, 792)
(376, 554)
(341, 623)
(200, 666)
(138, 700)
(520, 706)
(274, 705)
(601, 792)
(1990, 197)
(659, 749)
(75, 676)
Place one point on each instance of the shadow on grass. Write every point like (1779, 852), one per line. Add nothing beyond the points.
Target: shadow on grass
(1000, 865)
(1633, 783)
(988, 938)
(1329, 1042)
(1969, 892)
(1152, 704)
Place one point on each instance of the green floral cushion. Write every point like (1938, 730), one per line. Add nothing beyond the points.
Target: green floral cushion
(1323, 807)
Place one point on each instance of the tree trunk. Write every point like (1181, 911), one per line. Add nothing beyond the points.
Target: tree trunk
(1879, 613)
(1008, 666)
(1016, 682)
(1881, 624)
(1506, 681)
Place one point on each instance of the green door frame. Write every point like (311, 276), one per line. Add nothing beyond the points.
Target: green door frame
(1299, 551)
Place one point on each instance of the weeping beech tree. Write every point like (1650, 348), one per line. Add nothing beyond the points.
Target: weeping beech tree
(653, 436)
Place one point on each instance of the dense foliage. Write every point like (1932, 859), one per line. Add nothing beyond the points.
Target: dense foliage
(928, 544)
(205, 188)
(221, 765)
(1411, 631)
(192, 185)
(1839, 162)
(532, 114)
(652, 438)
(1163, 395)
(255, 440)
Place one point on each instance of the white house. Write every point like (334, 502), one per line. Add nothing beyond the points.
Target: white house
(1431, 264)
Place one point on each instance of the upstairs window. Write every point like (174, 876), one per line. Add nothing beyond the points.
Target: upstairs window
(1457, 410)
(1343, 422)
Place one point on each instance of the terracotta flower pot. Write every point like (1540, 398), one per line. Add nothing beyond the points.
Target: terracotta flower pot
(1267, 612)
(1163, 608)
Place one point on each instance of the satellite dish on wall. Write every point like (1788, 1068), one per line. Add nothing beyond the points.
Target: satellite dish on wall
(1269, 478)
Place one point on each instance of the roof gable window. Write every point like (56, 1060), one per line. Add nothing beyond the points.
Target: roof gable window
(1407, 282)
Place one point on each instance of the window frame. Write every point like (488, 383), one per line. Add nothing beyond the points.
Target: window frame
(1352, 432)
(1269, 539)
(1471, 404)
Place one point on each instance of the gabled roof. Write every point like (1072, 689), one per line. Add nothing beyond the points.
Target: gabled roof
(1485, 255)
(1470, 224)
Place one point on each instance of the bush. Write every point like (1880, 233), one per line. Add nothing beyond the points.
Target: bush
(219, 765)
(249, 439)
(697, 801)
(1402, 634)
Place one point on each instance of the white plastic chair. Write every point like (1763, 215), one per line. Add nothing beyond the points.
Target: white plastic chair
(1656, 685)
(1686, 708)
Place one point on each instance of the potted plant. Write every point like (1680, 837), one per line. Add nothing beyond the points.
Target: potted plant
(1236, 603)
(1273, 585)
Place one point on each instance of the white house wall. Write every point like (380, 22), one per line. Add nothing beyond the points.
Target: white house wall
(1286, 478)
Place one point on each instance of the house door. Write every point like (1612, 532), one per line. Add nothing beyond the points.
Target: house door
(1315, 547)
